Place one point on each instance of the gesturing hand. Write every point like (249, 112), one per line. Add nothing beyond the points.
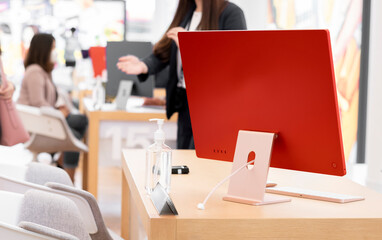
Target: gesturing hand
(131, 65)
(64, 110)
(173, 34)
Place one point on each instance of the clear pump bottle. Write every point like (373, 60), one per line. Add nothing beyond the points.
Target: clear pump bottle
(158, 161)
(98, 94)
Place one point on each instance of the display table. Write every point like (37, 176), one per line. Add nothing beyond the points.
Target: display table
(137, 118)
(298, 219)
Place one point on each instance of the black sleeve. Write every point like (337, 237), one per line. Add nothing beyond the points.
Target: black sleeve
(154, 65)
(233, 18)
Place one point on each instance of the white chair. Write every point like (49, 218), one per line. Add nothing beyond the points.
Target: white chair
(85, 202)
(49, 130)
(38, 215)
(37, 173)
(12, 232)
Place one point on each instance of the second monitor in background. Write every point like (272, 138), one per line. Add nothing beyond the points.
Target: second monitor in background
(115, 50)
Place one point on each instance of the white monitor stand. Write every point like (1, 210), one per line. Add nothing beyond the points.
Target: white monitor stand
(249, 185)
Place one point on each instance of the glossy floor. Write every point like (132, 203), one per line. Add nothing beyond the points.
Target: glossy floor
(109, 195)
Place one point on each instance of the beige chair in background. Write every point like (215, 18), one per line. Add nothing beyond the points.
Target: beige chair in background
(49, 131)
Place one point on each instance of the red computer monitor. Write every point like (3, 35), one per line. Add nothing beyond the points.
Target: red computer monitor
(278, 81)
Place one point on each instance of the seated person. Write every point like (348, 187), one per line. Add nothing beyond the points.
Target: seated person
(6, 93)
(38, 90)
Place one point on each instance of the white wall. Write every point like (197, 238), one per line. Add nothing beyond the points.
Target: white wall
(255, 11)
(164, 13)
(373, 155)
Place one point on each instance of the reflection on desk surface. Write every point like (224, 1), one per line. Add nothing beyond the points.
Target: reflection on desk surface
(134, 105)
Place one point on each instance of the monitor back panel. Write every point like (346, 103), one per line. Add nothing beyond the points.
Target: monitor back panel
(270, 81)
(115, 50)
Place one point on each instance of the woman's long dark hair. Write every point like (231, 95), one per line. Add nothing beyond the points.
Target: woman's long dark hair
(210, 21)
(39, 51)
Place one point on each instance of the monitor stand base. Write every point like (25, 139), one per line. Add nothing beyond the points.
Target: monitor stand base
(267, 199)
(247, 185)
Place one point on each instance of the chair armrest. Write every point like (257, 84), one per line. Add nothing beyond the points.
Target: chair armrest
(14, 232)
(46, 231)
(50, 111)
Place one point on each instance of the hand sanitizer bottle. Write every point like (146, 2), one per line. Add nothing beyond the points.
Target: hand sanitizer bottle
(98, 94)
(158, 161)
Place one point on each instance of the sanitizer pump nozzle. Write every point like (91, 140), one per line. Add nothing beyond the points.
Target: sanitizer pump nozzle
(159, 134)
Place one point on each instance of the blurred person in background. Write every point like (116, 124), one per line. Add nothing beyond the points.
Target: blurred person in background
(71, 45)
(6, 93)
(190, 15)
(38, 89)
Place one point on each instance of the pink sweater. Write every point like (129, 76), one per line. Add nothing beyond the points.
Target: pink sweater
(37, 88)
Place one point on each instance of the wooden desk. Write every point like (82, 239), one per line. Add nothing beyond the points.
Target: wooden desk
(298, 219)
(90, 163)
(81, 95)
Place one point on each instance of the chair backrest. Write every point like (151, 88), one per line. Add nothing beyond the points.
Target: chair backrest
(102, 232)
(49, 130)
(53, 211)
(41, 174)
(37, 122)
(17, 186)
(10, 208)
(37, 173)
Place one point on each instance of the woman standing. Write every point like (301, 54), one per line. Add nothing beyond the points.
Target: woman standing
(190, 15)
(38, 90)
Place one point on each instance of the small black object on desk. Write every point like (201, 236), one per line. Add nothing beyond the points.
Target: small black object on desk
(183, 169)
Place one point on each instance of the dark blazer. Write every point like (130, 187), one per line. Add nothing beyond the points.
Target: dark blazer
(232, 18)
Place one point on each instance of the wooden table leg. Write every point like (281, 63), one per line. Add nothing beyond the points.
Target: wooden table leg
(90, 173)
(85, 170)
(125, 213)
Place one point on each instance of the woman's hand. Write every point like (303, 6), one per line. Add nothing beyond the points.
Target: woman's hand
(64, 110)
(173, 34)
(7, 93)
(131, 65)
(154, 102)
